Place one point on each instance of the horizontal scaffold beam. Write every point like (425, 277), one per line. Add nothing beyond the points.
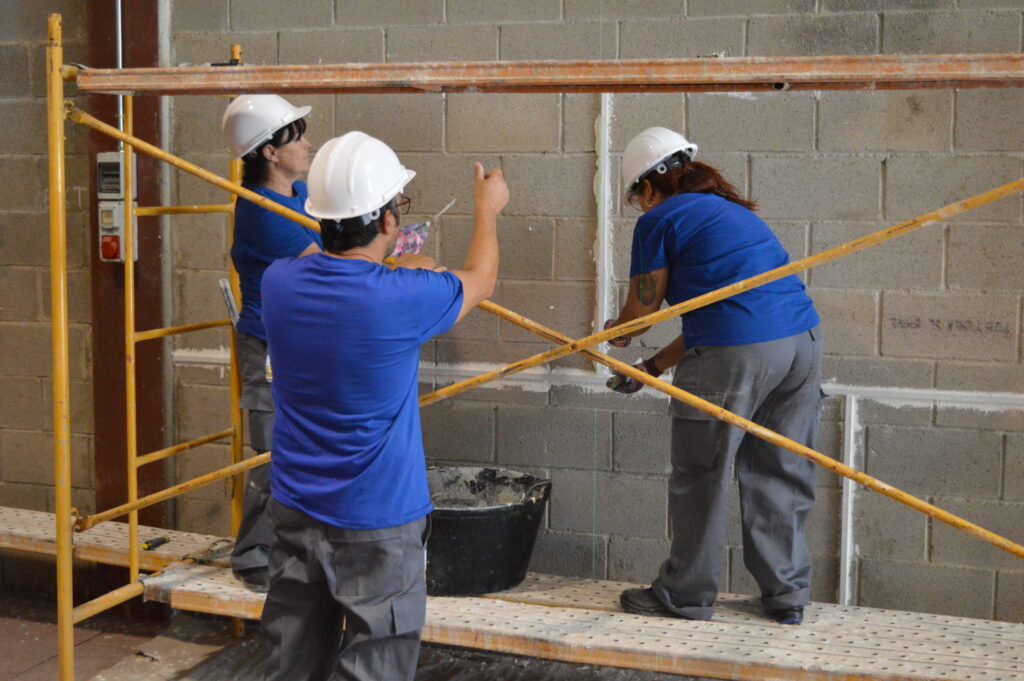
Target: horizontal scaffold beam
(712, 74)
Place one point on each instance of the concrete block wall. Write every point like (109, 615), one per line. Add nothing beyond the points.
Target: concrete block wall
(26, 420)
(940, 308)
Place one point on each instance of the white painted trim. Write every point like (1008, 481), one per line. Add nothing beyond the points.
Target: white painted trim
(604, 186)
(847, 546)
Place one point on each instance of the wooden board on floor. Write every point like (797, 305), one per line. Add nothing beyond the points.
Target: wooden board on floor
(578, 620)
(107, 543)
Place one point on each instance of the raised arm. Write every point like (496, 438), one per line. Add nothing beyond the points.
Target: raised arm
(479, 273)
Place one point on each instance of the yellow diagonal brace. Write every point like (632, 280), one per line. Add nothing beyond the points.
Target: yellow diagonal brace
(878, 237)
(768, 435)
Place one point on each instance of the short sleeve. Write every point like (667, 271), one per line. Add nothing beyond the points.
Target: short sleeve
(648, 245)
(279, 237)
(438, 300)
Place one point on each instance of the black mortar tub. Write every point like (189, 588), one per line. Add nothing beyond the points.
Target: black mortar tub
(483, 528)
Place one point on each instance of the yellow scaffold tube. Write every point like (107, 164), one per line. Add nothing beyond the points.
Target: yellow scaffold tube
(59, 339)
(645, 321)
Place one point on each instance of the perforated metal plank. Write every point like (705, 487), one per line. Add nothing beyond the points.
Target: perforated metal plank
(579, 621)
(34, 531)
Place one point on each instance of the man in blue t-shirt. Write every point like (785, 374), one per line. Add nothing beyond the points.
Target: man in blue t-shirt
(349, 489)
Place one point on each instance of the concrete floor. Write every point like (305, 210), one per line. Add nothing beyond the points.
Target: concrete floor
(113, 647)
(29, 633)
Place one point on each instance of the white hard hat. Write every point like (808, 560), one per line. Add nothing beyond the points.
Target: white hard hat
(251, 120)
(354, 175)
(645, 151)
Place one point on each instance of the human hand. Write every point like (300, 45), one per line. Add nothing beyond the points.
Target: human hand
(490, 191)
(410, 240)
(628, 385)
(620, 341)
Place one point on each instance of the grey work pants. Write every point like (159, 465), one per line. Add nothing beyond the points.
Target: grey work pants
(343, 604)
(776, 384)
(252, 546)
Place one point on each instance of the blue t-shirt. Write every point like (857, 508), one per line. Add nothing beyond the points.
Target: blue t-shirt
(707, 242)
(260, 238)
(344, 339)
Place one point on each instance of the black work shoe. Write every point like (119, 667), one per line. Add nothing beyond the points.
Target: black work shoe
(255, 579)
(793, 615)
(644, 602)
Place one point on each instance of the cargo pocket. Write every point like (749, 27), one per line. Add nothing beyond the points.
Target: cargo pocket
(696, 436)
(409, 612)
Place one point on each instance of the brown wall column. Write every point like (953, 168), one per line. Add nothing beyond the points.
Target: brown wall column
(140, 40)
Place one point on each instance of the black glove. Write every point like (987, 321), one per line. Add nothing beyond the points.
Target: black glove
(620, 341)
(626, 385)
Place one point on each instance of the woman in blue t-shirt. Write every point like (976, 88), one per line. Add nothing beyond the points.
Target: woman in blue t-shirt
(268, 134)
(756, 354)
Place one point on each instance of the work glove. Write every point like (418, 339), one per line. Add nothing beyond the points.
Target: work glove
(626, 385)
(411, 239)
(620, 341)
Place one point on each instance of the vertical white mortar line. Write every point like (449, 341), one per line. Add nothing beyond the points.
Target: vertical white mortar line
(603, 192)
(847, 550)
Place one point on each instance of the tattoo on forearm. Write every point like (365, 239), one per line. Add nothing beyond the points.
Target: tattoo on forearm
(646, 284)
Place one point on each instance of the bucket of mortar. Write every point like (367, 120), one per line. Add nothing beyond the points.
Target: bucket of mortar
(483, 527)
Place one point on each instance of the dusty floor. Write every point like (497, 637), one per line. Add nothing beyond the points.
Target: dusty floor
(112, 647)
(29, 633)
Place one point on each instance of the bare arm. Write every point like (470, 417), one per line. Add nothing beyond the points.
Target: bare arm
(310, 249)
(479, 273)
(413, 261)
(646, 293)
(669, 356)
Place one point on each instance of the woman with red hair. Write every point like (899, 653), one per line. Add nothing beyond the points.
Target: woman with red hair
(756, 354)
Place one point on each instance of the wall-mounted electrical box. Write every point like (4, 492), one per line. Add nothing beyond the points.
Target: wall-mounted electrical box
(110, 192)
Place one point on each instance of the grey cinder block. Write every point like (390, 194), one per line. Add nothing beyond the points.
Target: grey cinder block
(563, 438)
(506, 122)
(916, 185)
(679, 39)
(951, 546)
(816, 187)
(886, 529)
(641, 442)
(848, 319)
(985, 257)
(951, 32)
(459, 431)
(912, 261)
(950, 326)
(255, 15)
(1009, 596)
(919, 587)
(566, 40)
(387, 12)
(636, 560)
(797, 35)
(607, 503)
(882, 371)
(754, 122)
(936, 460)
(985, 120)
(333, 46)
(570, 554)
(442, 43)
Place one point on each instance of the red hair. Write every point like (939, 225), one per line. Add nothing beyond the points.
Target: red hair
(698, 178)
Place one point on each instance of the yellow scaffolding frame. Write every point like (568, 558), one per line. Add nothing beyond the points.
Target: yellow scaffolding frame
(67, 519)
